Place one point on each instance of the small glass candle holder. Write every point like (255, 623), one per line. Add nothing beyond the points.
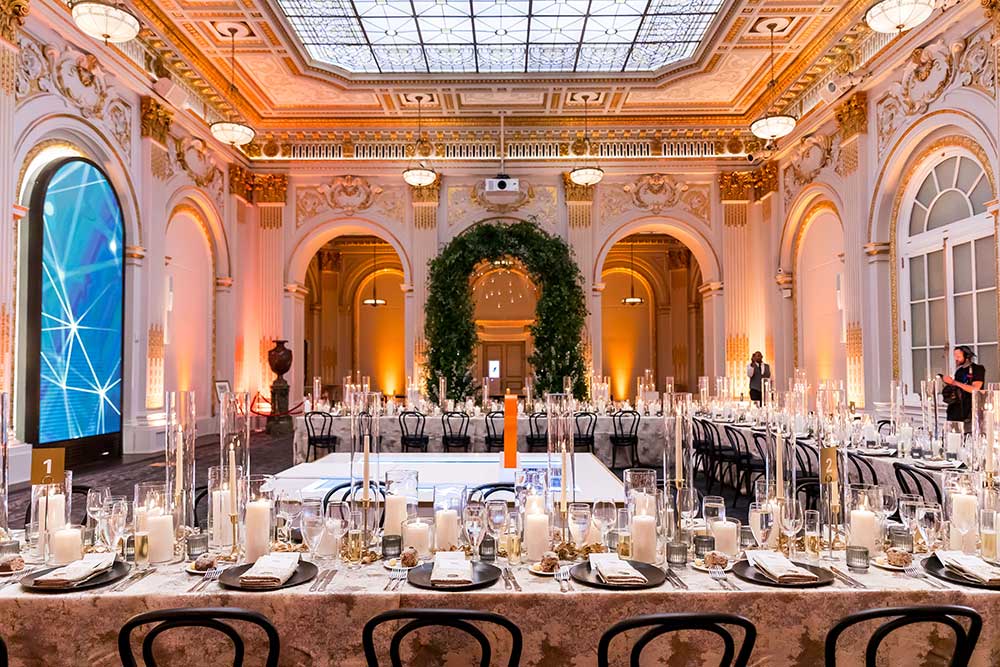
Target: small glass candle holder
(857, 557)
(747, 540)
(448, 504)
(901, 538)
(703, 544)
(400, 500)
(10, 548)
(258, 517)
(677, 553)
(197, 544)
(726, 534)
(392, 546)
(65, 545)
(154, 518)
(418, 532)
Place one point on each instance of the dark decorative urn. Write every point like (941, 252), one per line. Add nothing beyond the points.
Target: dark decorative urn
(279, 358)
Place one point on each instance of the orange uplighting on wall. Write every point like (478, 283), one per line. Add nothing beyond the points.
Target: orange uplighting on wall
(626, 339)
(380, 335)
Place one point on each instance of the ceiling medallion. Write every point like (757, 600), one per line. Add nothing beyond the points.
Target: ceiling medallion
(232, 132)
(896, 16)
(585, 174)
(110, 22)
(772, 126)
(419, 174)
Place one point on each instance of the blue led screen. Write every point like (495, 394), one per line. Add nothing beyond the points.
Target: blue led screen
(80, 351)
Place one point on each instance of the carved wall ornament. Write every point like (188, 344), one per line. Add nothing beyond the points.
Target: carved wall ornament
(119, 121)
(270, 188)
(735, 185)
(656, 192)
(308, 202)
(194, 157)
(241, 182)
(847, 159)
(161, 164)
(79, 77)
(13, 14)
(813, 154)
(427, 194)
(976, 69)
(577, 193)
(852, 115)
(391, 205)
(541, 205)
(155, 120)
(32, 69)
(349, 194)
(501, 202)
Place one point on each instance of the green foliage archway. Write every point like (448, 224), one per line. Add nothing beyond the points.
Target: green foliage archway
(559, 319)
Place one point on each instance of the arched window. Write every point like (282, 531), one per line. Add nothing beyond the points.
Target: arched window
(75, 307)
(949, 277)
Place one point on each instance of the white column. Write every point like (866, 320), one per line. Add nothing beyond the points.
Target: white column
(596, 323)
(293, 306)
(714, 322)
(880, 366)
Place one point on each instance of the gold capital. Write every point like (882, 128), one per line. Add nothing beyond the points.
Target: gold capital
(270, 188)
(577, 193)
(155, 120)
(13, 14)
(852, 115)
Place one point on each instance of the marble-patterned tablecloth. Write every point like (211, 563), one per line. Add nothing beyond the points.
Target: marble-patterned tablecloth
(560, 630)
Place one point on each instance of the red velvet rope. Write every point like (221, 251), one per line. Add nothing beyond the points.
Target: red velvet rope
(292, 411)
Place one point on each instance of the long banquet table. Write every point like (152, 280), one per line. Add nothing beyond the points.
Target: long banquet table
(322, 629)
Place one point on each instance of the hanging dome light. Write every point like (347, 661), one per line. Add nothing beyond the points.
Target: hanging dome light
(374, 301)
(896, 16)
(632, 299)
(586, 175)
(420, 175)
(232, 132)
(772, 126)
(110, 22)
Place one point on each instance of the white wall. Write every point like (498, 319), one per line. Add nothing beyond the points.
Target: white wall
(820, 264)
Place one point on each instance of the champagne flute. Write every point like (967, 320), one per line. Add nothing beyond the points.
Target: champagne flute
(761, 522)
(579, 515)
(115, 517)
(624, 522)
(791, 522)
(605, 512)
(96, 498)
(313, 525)
(514, 528)
(474, 523)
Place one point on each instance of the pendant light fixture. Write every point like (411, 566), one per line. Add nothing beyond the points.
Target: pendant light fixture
(632, 299)
(110, 22)
(373, 300)
(896, 16)
(586, 174)
(772, 126)
(232, 132)
(419, 174)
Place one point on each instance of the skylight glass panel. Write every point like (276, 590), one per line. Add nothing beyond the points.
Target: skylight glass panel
(497, 36)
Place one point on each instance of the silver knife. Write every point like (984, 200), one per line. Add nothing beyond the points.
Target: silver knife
(318, 580)
(134, 580)
(847, 578)
(506, 579)
(674, 577)
(513, 580)
(326, 582)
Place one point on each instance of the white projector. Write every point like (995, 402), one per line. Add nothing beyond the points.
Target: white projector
(502, 184)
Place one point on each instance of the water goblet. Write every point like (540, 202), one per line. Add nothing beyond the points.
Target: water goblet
(287, 508)
(579, 515)
(688, 504)
(313, 526)
(761, 522)
(496, 520)
(713, 508)
(791, 522)
(605, 512)
(474, 523)
(96, 498)
(928, 521)
(114, 514)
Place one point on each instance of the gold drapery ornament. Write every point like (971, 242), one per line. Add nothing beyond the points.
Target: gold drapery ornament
(577, 193)
(852, 116)
(427, 194)
(155, 120)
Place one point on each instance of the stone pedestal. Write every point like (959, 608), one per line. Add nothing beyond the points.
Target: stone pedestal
(279, 423)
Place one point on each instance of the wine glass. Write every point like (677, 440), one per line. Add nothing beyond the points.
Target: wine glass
(97, 496)
(791, 522)
(761, 522)
(928, 520)
(908, 504)
(287, 507)
(890, 501)
(713, 508)
(114, 514)
(496, 520)
(688, 504)
(335, 526)
(579, 515)
(474, 523)
(313, 525)
(605, 513)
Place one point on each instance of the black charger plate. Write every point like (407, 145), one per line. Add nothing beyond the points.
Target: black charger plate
(937, 569)
(304, 573)
(582, 573)
(747, 572)
(484, 575)
(119, 571)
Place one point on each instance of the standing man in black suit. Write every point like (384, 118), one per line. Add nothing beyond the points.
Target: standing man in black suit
(757, 371)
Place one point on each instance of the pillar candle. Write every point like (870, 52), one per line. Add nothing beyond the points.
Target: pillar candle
(954, 443)
(534, 504)
(678, 450)
(395, 514)
(643, 530)
(54, 508)
(445, 529)
(727, 539)
(67, 545)
(161, 537)
(365, 469)
(221, 510)
(418, 535)
(536, 536)
(864, 530)
(257, 528)
(510, 430)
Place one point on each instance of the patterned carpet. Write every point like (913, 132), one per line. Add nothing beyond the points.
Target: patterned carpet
(267, 455)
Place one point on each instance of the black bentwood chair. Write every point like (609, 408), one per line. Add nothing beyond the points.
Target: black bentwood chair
(342, 492)
(319, 433)
(538, 434)
(455, 437)
(494, 431)
(411, 426)
(948, 615)
(625, 435)
(918, 482)
(211, 618)
(583, 437)
(485, 492)
(459, 619)
(660, 624)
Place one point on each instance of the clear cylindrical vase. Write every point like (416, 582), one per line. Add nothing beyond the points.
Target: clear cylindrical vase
(182, 431)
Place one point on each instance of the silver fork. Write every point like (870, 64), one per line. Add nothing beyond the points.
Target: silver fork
(564, 571)
(914, 572)
(210, 576)
(319, 579)
(513, 579)
(562, 581)
(719, 575)
(395, 575)
(403, 576)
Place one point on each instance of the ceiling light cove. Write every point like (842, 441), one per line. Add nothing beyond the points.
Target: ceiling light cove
(500, 36)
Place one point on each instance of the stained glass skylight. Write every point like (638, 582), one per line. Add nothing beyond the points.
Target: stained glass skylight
(498, 36)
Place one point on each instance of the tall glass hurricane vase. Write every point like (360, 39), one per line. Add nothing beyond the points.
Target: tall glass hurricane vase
(234, 432)
(182, 432)
(559, 418)
(365, 494)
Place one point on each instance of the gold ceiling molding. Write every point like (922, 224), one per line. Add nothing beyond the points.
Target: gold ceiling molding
(241, 182)
(155, 120)
(852, 116)
(13, 14)
(270, 188)
(574, 193)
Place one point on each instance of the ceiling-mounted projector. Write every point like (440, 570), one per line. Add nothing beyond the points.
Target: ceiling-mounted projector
(502, 183)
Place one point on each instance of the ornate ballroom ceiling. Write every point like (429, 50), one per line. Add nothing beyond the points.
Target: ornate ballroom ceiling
(321, 65)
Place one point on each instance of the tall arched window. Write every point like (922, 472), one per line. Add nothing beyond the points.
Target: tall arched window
(75, 308)
(949, 277)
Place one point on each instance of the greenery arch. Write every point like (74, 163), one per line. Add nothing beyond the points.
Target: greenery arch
(560, 313)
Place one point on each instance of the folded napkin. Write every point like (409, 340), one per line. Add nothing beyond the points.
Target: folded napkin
(779, 569)
(270, 570)
(451, 569)
(78, 571)
(970, 567)
(613, 570)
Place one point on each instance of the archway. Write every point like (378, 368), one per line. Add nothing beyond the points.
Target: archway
(559, 317)
(651, 313)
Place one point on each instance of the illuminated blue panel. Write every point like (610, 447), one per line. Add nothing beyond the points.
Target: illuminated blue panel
(82, 288)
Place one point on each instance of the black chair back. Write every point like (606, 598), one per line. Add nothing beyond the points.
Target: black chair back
(200, 496)
(455, 424)
(949, 616)
(884, 426)
(586, 424)
(538, 427)
(458, 619)
(807, 458)
(342, 492)
(915, 481)
(411, 423)
(738, 439)
(319, 424)
(760, 445)
(494, 425)
(626, 423)
(862, 470)
(210, 618)
(660, 624)
(485, 492)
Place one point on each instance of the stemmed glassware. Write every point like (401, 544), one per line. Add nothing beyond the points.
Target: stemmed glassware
(114, 514)
(580, 516)
(313, 526)
(908, 504)
(713, 508)
(96, 498)
(496, 520)
(335, 526)
(761, 522)
(287, 508)
(474, 523)
(605, 513)
(928, 519)
(791, 522)
(688, 505)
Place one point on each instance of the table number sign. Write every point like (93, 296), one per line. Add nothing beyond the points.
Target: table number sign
(48, 464)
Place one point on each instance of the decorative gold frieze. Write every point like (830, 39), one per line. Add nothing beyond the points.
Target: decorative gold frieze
(154, 367)
(8, 72)
(847, 159)
(583, 194)
(241, 182)
(270, 216)
(155, 120)
(270, 188)
(734, 213)
(852, 116)
(855, 364)
(13, 14)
